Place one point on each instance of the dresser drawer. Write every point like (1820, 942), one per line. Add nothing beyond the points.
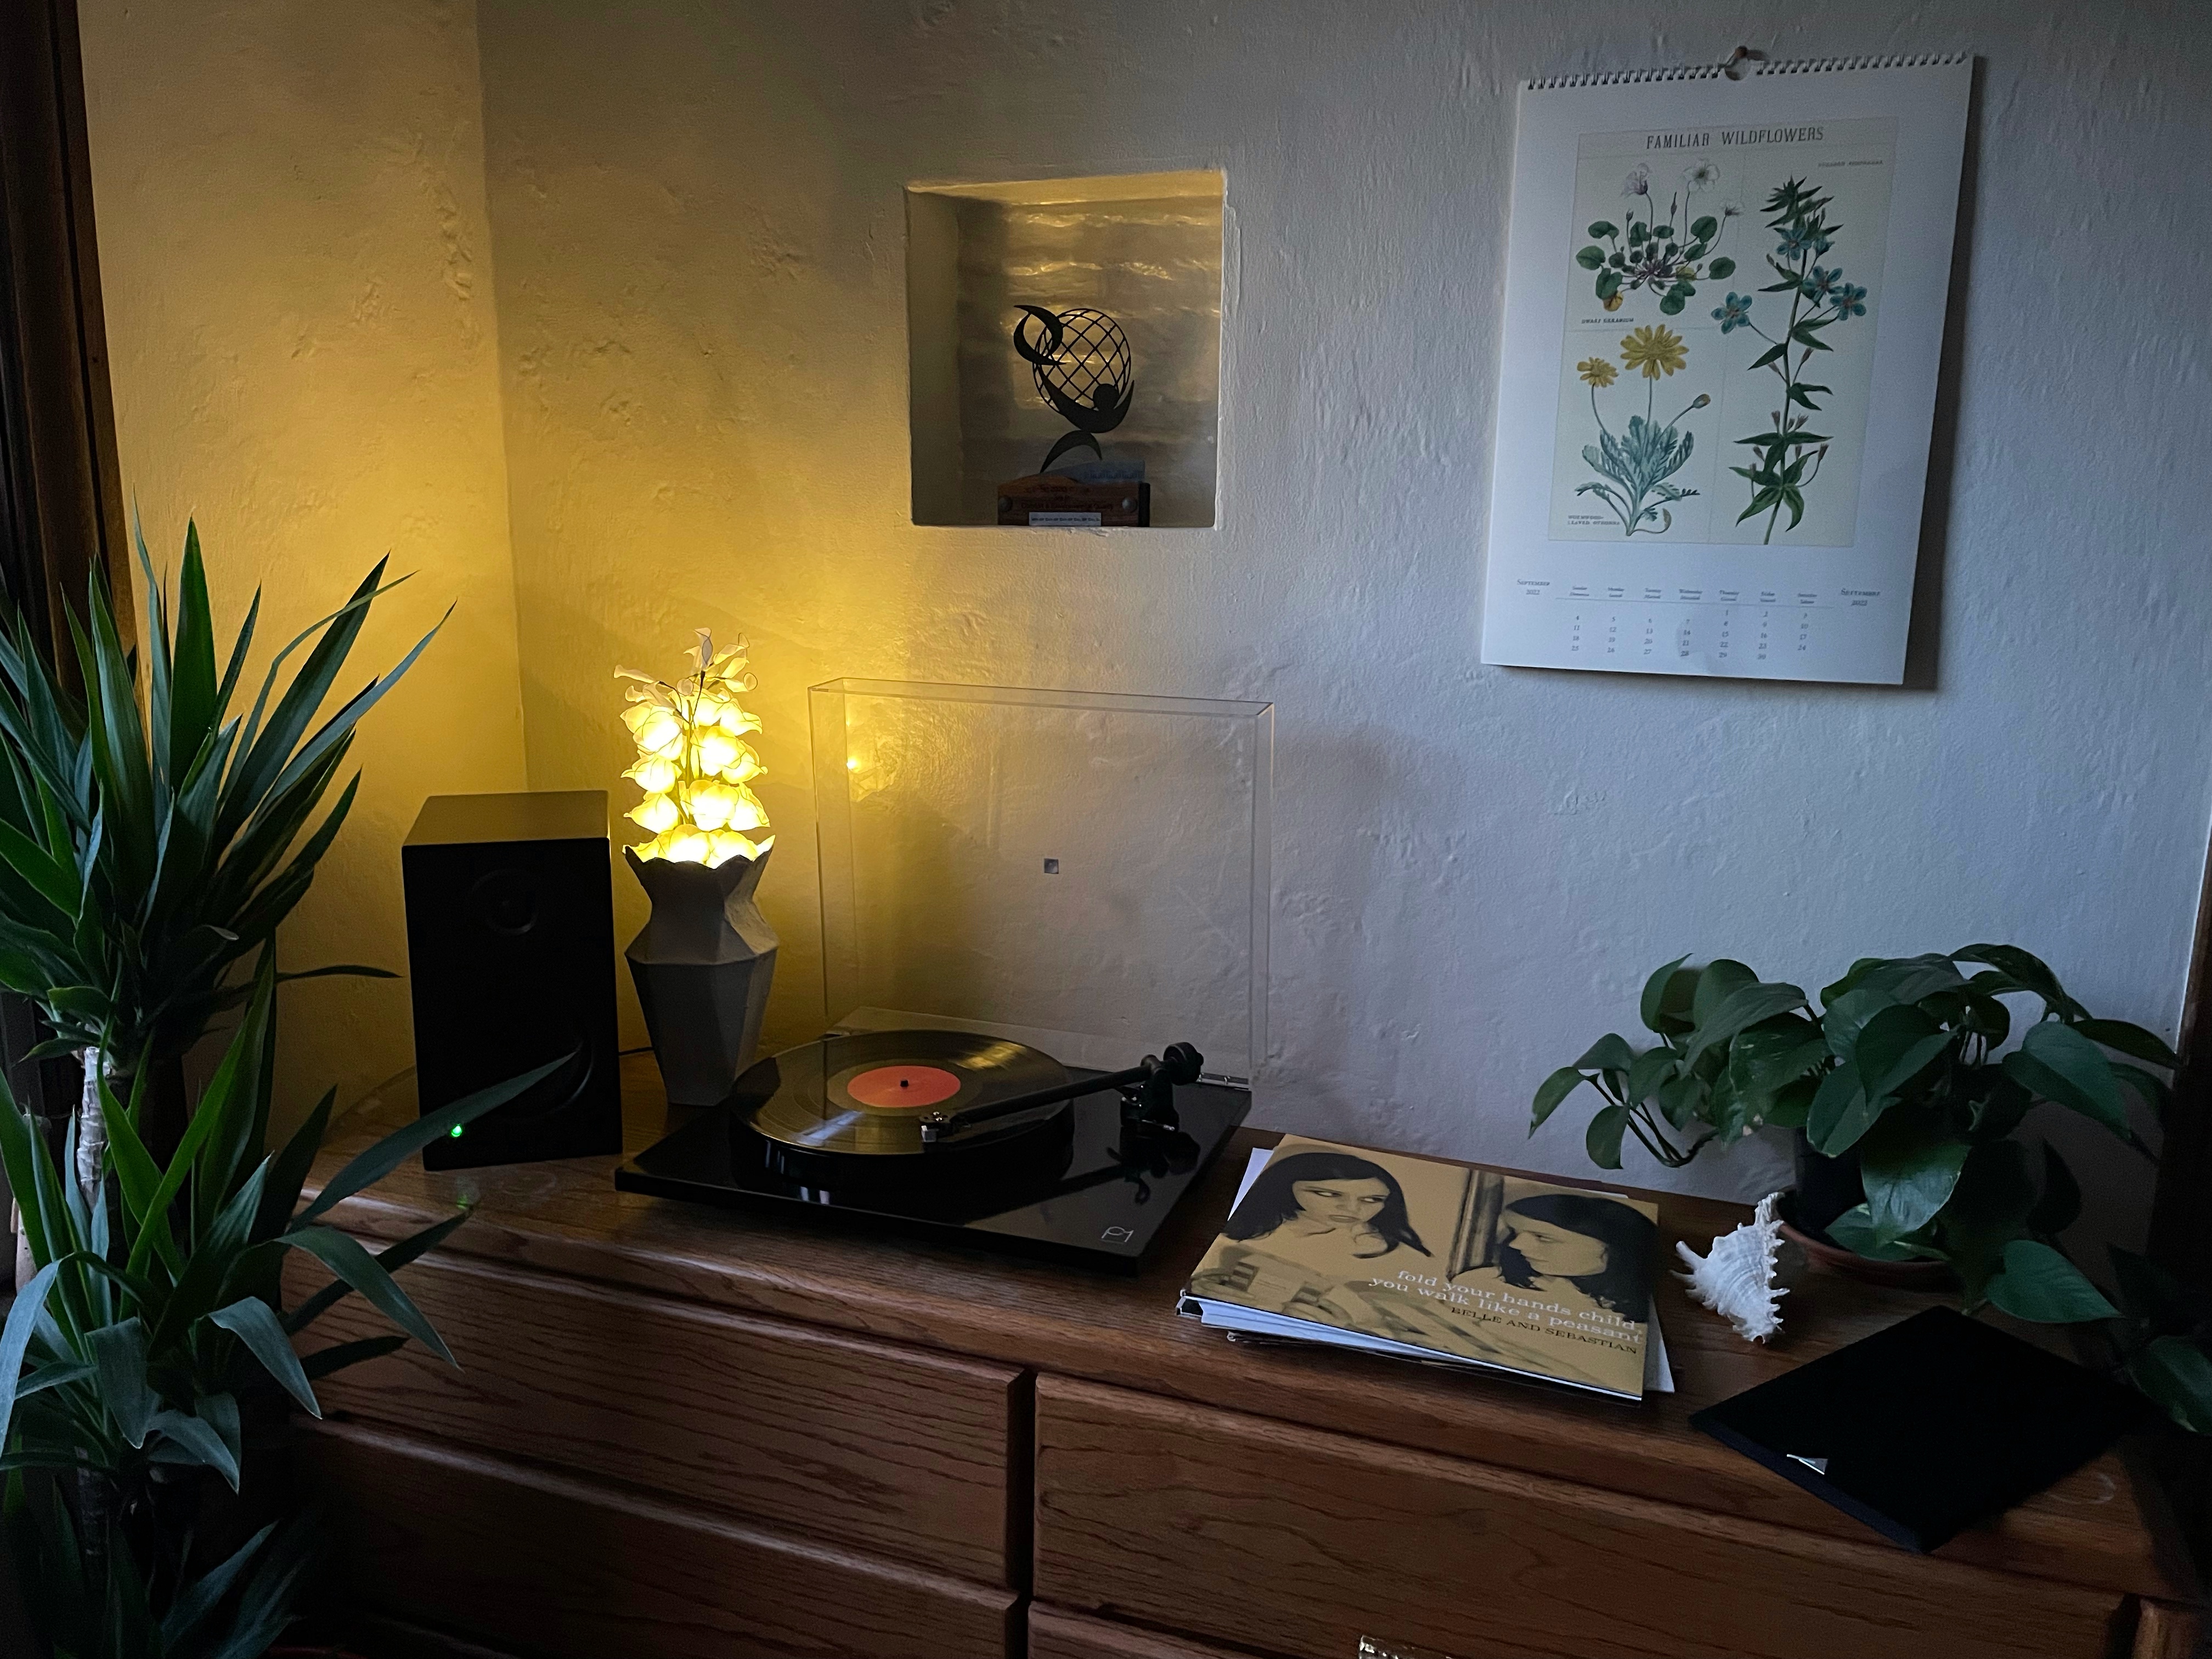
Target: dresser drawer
(1057, 1635)
(1294, 1542)
(896, 1451)
(521, 1558)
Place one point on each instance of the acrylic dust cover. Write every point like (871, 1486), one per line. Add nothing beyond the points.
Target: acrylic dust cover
(1431, 1260)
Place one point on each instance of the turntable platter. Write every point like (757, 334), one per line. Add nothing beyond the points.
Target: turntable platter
(865, 1096)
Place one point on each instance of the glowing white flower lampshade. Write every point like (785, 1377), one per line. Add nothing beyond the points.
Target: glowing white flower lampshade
(704, 962)
(693, 760)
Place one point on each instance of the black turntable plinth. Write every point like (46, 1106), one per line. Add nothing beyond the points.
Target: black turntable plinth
(957, 1136)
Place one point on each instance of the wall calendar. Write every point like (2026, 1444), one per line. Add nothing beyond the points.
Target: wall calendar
(1723, 313)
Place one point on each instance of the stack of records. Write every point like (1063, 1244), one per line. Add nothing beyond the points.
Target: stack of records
(1450, 1263)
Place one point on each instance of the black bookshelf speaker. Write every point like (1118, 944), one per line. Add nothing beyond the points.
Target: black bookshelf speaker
(511, 957)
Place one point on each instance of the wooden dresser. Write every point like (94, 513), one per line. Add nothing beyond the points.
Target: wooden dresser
(680, 1433)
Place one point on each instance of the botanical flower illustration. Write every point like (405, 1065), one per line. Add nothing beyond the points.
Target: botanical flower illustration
(1789, 457)
(1639, 461)
(1651, 254)
(1654, 350)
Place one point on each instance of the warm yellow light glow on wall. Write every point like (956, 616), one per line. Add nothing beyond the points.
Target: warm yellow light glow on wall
(694, 763)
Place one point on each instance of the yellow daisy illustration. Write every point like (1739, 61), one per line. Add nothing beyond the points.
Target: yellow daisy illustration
(1595, 371)
(1654, 350)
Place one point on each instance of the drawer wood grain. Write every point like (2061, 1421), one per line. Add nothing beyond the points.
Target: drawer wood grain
(521, 1558)
(1055, 1634)
(395, 1639)
(1292, 1541)
(890, 1449)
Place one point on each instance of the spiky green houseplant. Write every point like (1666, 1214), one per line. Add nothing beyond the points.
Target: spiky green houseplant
(143, 855)
(153, 1338)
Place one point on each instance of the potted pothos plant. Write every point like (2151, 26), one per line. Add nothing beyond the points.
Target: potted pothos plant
(1907, 1096)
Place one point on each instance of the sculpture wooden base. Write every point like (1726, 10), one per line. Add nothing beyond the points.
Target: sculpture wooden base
(1046, 498)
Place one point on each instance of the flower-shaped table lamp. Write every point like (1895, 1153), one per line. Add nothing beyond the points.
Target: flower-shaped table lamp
(704, 959)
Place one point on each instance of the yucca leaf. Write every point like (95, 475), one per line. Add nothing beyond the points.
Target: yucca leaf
(217, 1260)
(367, 1168)
(268, 749)
(80, 1217)
(340, 726)
(264, 1606)
(255, 854)
(343, 1254)
(200, 1444)
(251, 1321)
(160, 698)
(192, 718)
(57, 1374)
(119, 739)
(20, 1149)
(118, 1356)
(140, 1178)
(390, 1259)
(200, 1597)
(228, 1106)
(18, 801)
(288, 1170)
(26, 865)
(84, 1001)
(16, 1338)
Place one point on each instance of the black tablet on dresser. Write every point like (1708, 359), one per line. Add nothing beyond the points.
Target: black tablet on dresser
(1925, 1428)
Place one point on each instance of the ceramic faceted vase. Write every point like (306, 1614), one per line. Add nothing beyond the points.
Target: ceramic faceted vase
(703, 963)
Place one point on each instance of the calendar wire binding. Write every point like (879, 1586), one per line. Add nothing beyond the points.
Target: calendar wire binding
(1752, 70)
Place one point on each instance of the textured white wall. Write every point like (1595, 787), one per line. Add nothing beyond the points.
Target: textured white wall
(697, 216)
(701, 329)
(289, 199)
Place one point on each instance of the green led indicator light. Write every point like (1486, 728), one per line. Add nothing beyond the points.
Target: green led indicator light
(455, 1132)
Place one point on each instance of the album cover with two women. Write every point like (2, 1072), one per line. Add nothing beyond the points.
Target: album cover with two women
(1438, 1260)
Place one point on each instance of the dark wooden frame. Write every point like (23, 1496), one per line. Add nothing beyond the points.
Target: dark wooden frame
(61, 505)
(2181, 1228)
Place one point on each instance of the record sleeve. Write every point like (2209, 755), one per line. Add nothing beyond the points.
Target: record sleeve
(1428, 1259)
(1924, 1429)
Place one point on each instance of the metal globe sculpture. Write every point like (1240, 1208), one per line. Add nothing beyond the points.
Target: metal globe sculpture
(1079, 359)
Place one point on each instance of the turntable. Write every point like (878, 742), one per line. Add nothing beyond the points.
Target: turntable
(1025, 896)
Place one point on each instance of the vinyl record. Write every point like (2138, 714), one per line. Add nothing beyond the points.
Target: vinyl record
(865, 1096)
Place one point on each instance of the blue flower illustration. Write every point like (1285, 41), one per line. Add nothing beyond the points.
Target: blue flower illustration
(1849, 301)
(1821, 286)
(1801, 239)
(1735, 314)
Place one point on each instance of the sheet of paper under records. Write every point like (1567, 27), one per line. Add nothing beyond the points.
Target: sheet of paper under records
(1725, 307)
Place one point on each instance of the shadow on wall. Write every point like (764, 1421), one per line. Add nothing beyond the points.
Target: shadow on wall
(1923, 640)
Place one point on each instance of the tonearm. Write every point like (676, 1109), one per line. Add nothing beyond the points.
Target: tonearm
(1147, 1092)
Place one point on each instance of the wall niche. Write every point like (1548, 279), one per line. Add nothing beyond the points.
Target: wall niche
(1144, 248)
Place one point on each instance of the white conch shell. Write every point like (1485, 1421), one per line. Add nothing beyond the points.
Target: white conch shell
(1736, 1278)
